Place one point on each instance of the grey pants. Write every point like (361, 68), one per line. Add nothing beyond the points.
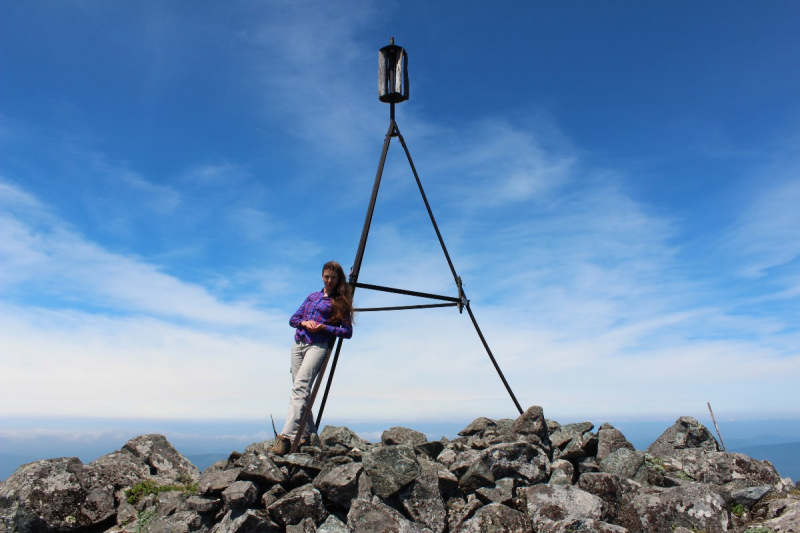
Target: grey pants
(306, 362)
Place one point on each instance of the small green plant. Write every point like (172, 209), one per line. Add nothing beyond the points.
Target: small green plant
(737, 509)
(146, 487)
(140, 490)
(144, 518)
(655, 463)
(759, 529)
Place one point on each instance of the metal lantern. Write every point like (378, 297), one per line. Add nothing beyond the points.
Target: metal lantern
(392, 74)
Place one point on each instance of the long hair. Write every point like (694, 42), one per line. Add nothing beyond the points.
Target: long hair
(342, 297)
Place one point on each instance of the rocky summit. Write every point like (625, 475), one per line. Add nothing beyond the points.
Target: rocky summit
(529, 475)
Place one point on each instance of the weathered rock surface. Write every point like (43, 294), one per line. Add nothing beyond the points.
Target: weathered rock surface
(685, 433)
(258, 466)
(249, 521)
(496, 517)
(720, 468)
(781, 515)
(368, 517)
(401, 435)
(215, 481)
(240, 494)
(532, 426)
(333, 435)
(696, 507)
(551, 506)
(302, 502)
(501, 492)
(530, 475)
(161, 458)
(66, 495)
(54, 494)
(422, 501)
(391, 468)
(339, 483)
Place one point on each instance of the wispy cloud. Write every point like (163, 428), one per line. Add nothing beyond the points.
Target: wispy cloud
(765, 236)
(63, 361)
(149, 196)
(47, 255)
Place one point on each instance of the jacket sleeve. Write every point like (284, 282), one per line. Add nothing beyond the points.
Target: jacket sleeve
(344, 331)
(297, 317)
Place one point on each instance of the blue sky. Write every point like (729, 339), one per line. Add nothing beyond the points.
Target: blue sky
(617, 184)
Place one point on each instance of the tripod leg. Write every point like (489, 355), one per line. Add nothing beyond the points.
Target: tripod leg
(330, 380)
(427, 205)
(353, 278)
(494, 362)
(453, 270)
(362, 244)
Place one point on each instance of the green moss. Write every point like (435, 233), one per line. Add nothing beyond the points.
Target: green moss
(759, 529)
(737, 509)
(144, 518)
(147, 487)
(655, 463)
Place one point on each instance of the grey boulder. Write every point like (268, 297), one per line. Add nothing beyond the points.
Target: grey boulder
(339, 484)
(391, 468)
(401, 435)
(333, 435)
(496, 517)
(54, 495)
(422, 501)
(686, 433)
(695, 506)
(371, 517)
(299, 503)
(240, 494)
(550, 506)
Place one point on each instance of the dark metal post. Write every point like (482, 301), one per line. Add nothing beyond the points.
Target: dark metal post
(496, 366)
(461, 294)
(362, 245)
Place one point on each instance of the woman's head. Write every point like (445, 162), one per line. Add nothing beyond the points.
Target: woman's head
(333, 277)
(339, 291)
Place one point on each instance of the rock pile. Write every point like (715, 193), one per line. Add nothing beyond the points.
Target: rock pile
(527, 475)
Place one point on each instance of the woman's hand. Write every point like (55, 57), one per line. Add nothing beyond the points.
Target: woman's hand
(312, 326)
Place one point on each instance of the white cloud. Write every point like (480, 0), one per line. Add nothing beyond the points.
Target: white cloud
(70, 363)
(766, 235)
(51, 258)
(224, 173)
(121, 186)
(492, 162)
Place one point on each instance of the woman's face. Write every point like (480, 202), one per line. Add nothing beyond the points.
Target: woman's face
(330, 278)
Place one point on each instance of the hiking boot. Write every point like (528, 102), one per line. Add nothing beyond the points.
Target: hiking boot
(281, 445)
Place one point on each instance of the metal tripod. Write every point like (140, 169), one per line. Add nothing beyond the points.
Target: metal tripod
(461, 301)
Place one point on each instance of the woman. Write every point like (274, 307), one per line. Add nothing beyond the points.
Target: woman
(324, 315)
